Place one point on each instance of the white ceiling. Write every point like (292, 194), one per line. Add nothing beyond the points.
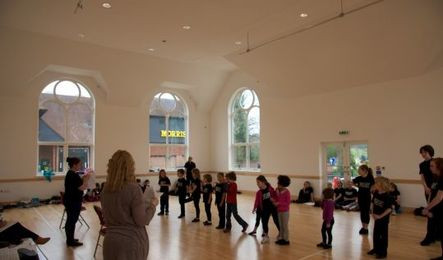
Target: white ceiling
(389, 40)
(137, 25)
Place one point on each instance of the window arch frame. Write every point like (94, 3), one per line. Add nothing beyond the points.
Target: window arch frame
(247, 143)
(167, 115)
(66, 144)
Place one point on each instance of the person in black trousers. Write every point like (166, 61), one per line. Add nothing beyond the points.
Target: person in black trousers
(189, 166)
(434, 209)
(220, 199)
(195, 193)
(181, 190)
(207, 198)
(73, 198)
(164, 183)
(364, 183)
(14, 234)
(427, 178)
(381, 210)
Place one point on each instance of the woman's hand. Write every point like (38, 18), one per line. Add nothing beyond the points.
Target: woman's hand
(154, 202)
(427, 190)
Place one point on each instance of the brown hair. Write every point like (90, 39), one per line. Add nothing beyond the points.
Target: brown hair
(221, 174)
(207, 177)
(231, 176)
(366, 168)
(121, 170)
(328, 193)
(196, 173)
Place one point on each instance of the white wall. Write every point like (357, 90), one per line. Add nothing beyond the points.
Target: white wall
(395, 117)
(123, 84)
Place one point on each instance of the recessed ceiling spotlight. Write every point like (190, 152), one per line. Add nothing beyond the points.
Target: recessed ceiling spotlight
(186, 27)
(81, 35)
(151, 49)
(303, 15)
(237, 43)
(107, 5)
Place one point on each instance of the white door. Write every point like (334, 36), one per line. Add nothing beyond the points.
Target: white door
(342, 159)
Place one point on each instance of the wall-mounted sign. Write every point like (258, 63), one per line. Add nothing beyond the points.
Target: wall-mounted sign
(343, 132)
(173, 133)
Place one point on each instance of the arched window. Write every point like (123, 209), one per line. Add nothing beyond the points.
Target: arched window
(168, 133)
(65, 125)
(244, 114)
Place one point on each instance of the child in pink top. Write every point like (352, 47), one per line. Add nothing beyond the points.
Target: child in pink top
(328, 206)
(282, 203)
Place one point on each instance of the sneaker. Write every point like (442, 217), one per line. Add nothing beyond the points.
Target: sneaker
(426, 242)
(265, 240)
(160, 213)
(252, 233)
(371, 252)
(321, 245)
(380, 256)
(394, 213)
(207, 223)
(327, 246)
(195, 220)
(181, 216)
(363, 231)
(245, 227)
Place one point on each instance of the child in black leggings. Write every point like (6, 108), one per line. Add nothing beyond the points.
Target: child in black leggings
(195, 193)
(267, 206)
(207, 198)
(364, 183)
(220, 199)
(181, 191)
(328, 206)
(381, 210)
(164, 183)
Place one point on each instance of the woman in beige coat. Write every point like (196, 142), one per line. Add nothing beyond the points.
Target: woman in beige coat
(125, 211)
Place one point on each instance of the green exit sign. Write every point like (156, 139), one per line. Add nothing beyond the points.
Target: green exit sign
(343, 132)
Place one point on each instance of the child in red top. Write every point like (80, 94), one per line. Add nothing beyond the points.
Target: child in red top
(231, 203)
(282, 203)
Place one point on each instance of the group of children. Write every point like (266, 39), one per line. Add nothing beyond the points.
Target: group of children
(376, 196)
(269, 201)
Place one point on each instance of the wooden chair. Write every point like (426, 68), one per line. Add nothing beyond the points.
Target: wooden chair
(80, 219)
(102, 231)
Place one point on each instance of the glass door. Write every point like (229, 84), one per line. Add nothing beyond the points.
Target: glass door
(341, 160)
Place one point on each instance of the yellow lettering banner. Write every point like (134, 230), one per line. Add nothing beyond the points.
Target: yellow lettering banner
(173, 133)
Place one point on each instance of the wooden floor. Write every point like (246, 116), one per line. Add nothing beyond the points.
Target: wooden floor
(171, 238)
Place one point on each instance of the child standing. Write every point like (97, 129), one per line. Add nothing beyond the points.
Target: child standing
(364, 183)
(282, 203)
(257, 210)
(328, 206)
(395, 194)
(181, 191)
(231, 203)
(220, 199)
(381, 210)
(195, 193)
(164, 183)
(207, 198)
